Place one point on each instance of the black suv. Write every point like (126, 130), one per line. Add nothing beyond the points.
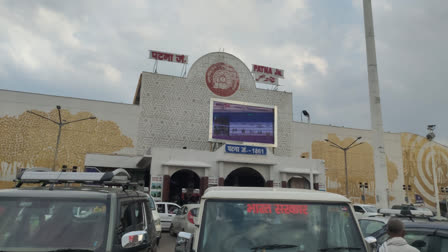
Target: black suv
(103, 214)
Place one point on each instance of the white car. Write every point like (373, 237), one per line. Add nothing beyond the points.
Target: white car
(364, 210)
(273, 219)
(167, 211)
(185, 219)
(156, 218)
(407, 210)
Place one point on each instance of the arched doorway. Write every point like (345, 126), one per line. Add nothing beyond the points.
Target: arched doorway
(298, 182)
(245, 176)
(188, 181)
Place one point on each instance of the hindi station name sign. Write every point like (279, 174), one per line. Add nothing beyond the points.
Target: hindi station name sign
(171, 57)
(267, 75)
(242, 149)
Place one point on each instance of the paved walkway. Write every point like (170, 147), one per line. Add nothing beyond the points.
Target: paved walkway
(167, 243)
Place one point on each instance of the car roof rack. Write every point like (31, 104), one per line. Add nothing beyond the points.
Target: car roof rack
(118, 177)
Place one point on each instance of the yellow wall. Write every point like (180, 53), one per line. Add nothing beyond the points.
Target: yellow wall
(29, 141)
(417, 166)
(360, 167)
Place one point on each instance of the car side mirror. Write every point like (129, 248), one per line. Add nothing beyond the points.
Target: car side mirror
(134, 239)
(371, 241)
(184, 242)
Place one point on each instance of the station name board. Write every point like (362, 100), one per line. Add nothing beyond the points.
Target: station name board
(171, 57)
(242, 149)
(270, 71)
(267, 75)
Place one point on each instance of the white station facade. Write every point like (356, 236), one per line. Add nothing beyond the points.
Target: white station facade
(188, 143)
(211, 127)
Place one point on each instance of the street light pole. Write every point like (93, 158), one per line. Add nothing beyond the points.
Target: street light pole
(310, 150)
(430, 136)
(60, 125)
(346, 172)
(345, 149)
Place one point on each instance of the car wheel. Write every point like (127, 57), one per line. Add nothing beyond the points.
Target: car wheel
(172, 233)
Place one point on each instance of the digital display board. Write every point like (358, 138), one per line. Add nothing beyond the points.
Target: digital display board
(242, 122)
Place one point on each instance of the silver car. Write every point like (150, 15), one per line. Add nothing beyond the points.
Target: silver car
(185, 219)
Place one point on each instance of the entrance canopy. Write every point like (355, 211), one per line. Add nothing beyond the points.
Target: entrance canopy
(112, 161)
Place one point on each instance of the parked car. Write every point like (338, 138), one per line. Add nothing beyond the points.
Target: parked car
(185, 219)
(370, 225)
(407, 210)
(363, 210)
(425, 236)
(75, 218)
(167, 211)
(273, 219)
(156, 218)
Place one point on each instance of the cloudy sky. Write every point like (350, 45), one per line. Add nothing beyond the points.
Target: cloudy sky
(97, 49)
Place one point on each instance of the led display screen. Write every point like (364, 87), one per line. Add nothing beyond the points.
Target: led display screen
(243, 123)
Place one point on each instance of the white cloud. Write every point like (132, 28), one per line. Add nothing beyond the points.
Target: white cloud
(83, 46)
(109, 72)
(53, 23)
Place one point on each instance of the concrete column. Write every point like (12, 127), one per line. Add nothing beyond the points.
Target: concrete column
(376, 118)
(166, 188)
(220, 181)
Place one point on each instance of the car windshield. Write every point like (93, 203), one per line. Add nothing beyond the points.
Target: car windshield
(39, 224)
(371, 209)
(278, 226)
(369, 227)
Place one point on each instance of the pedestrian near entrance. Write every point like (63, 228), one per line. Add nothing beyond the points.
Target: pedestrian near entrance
(396, 242)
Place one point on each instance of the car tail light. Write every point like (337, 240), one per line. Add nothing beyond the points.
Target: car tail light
(190, 217)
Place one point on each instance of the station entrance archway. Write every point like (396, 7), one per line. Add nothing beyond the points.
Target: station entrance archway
(245, 176)
(298, 182)
(183, 179)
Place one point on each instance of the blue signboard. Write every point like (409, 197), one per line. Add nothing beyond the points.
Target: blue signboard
(242, 149)
(418, 199)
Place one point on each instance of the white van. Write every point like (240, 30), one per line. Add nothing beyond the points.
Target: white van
(274, 219)
(167, 211)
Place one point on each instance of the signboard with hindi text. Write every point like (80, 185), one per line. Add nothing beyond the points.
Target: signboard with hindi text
(171, 57)
(241, 149)
(267, 75)
(265, 79)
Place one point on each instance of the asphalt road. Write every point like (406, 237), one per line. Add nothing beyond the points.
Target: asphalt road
(167, 243)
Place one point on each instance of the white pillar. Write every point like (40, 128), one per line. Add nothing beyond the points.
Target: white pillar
(436, 187)
(381, 180)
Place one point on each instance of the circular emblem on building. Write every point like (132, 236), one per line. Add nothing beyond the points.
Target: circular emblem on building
(222, 79)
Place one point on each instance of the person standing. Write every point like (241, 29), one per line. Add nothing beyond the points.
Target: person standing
(396, 242)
